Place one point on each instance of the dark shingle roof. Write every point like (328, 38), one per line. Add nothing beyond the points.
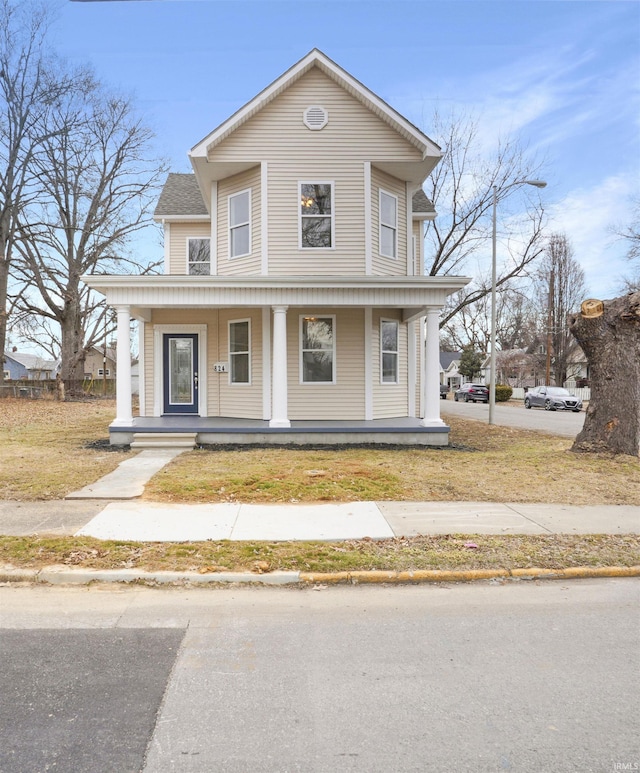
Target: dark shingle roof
(421, 203)
(180, 196)
(446, 358)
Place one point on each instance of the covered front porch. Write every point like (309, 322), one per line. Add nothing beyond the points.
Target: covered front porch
(145, 431)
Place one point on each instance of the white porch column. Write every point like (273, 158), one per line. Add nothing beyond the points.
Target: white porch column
(124, 414)
(280, 413)
(431, 371)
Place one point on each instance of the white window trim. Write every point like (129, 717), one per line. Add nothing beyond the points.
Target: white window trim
(229, 354)
(394, 226)
(101, 372)
(247, 192)
(332, 216)
(333, 352)
(389, 351)
(186, 257)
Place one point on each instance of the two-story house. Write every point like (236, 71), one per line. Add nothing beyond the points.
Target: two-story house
(293, 302)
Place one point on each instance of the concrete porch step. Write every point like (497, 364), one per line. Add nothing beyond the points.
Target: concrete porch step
(164, 440)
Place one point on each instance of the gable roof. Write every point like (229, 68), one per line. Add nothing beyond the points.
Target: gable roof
(207, 169)
(316, 58)
(181, 199)
(446, 358)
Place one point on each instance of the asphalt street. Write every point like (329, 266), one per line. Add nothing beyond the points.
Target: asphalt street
(524, 677)
(565, 423)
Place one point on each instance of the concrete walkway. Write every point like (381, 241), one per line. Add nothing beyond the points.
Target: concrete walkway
(97, 511)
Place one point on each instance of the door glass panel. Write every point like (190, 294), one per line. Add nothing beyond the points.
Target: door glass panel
(180, 371)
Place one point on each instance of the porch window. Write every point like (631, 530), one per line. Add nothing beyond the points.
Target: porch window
(239, 347)
(240, 224)
(199, 257)
(388, 225)
(389, 351)
(317, 344)
(316, 215)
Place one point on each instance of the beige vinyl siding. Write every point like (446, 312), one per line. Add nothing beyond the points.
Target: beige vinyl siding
(250, 264)
(179, 234)
(149, 377)
(343, 400)
(389, 400)
(382, 265)
(419, 325)
(419, 253)
(240, 400)
(336, 153)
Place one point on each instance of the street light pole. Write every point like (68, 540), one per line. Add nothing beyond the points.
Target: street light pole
(492, 362)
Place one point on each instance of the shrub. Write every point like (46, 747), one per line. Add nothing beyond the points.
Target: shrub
(503, 393)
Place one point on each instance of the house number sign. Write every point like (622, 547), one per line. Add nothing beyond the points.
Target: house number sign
(221, 367)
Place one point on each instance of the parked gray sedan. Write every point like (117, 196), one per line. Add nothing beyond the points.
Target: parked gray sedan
(552, 398)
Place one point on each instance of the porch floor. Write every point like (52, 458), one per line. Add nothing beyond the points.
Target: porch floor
(221, 430)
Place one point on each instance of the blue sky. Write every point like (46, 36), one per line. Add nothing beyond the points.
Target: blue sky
(564, 75)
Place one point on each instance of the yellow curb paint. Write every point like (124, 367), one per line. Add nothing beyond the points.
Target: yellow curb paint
(442, 575)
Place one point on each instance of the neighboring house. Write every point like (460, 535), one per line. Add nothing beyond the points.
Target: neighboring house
(20, 366)
(100, 364)
(578, 372)
(293, 299)
(449, 362)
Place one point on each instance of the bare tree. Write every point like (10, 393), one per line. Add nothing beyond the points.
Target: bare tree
(609, 334)
(98, 181)
(631, 235)
(462, 187)
(560, 290)
(30, 85)
(515, 319)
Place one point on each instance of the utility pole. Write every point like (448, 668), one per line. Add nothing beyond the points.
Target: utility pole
(549, 323)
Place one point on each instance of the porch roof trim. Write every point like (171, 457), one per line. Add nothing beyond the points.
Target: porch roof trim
(169, 291)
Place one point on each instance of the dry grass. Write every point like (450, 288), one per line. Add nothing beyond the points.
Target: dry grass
(456, 552)
(484, 463)
(44, 455)
(42, 447)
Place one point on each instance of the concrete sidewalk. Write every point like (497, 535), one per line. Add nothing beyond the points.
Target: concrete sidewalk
(98, 511)
(160, 522)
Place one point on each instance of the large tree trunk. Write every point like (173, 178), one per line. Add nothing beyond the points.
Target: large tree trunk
(72, 348)
(610, 339)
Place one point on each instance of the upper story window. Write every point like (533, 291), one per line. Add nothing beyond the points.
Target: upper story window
(239, 338)
(316, 215)
(317, 344)
(389, 351)
(199, 257)
(240, 224)
(388, 225)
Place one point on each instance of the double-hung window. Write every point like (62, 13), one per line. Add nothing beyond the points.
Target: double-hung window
(317, 344)
(388, 225)
(239, 340)
(316, 215)
(389, 351)
(240, 224)
(198, 257)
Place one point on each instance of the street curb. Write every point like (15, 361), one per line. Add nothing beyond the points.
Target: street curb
(56, 575)
(443, 575)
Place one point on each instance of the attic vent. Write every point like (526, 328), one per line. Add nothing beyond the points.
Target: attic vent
(315, 118)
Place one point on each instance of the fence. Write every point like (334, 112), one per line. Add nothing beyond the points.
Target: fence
(583, 393)
(36, 390)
